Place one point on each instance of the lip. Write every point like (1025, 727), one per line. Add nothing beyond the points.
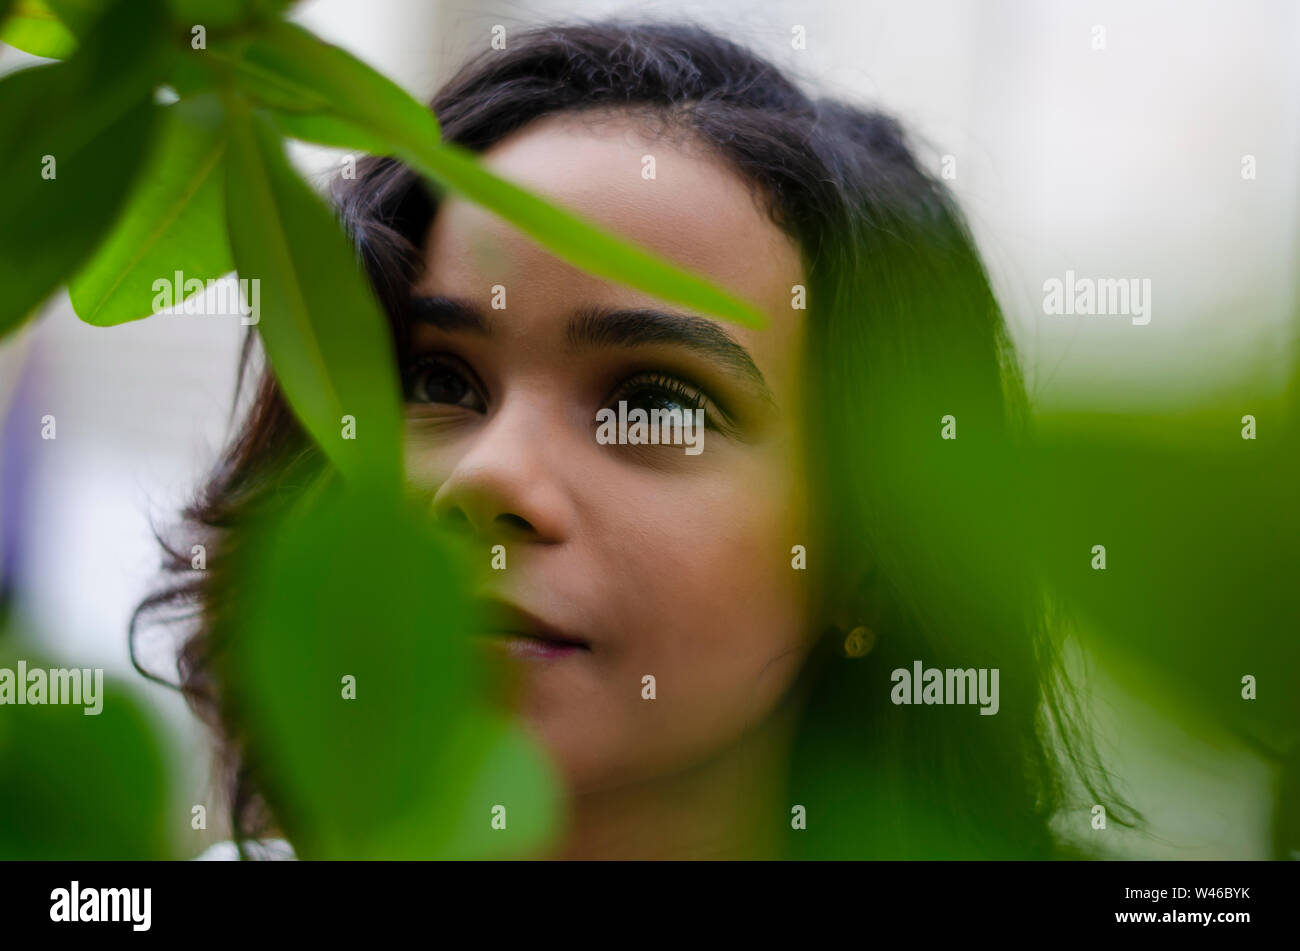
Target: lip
(524, 635)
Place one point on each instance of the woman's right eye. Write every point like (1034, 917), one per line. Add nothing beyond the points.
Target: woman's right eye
(442, 380)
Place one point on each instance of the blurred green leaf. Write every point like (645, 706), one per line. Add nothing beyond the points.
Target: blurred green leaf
(327, 338)
(291, 70)
(33, 28)
(94, 116)
(570, 237)
(79, 16)
(565, 234)
(222, 13)
(357, 585)
(81, 787)
(331, 131)
(173, 221)
(1202, 536)
(191, 76)
(321, 94)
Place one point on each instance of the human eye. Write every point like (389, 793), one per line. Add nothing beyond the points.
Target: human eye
(442, 379)
(665, 392)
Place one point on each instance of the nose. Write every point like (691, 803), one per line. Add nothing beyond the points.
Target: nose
(508, 484)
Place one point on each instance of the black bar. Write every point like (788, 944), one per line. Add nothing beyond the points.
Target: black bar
(977, 900)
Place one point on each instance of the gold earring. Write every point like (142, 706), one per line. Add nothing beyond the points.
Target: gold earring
(859, 642)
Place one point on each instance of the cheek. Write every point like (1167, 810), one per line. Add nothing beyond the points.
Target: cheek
(714, 610)
(423, 454)
(738, 607)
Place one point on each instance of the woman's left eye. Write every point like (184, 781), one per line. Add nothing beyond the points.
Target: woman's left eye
(443, 381)
(657, 391)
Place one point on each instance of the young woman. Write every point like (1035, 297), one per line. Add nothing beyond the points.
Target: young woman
(835, 535)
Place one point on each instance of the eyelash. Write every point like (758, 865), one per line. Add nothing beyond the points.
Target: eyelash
(682, 392)
(413, 375)
(689, 396)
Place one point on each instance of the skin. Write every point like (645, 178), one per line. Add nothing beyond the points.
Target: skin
(668, 564)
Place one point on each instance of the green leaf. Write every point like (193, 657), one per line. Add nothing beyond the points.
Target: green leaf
(92, 116)
(223, 13)
(564, 233)
(331, 131)
(296, 73)
(327, 338)
(322, 94)
(174, 221)
(79, 16)
(78, 787)
(191, 76)
(33, 28)
(355, 585)
(570, 237)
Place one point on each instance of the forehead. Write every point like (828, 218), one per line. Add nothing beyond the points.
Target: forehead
(696, 212)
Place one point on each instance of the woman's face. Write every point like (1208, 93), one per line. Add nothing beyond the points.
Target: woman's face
(654, 561)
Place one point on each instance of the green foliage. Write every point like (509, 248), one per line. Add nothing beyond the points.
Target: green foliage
(286, 68)
(79, 16)
(324, 331)
(33, 28)
(174, 220)
(81, 787)
(311, 90)
(224, 13)
(1200, 531)
(321, 94)
(352, 585)
(93, 116)
(584, 245)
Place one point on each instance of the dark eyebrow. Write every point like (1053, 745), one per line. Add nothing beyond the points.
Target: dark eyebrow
(600, 326)
(450, 314)
(603, 326)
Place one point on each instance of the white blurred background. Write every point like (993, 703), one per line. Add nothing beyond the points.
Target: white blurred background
(1121, 161)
